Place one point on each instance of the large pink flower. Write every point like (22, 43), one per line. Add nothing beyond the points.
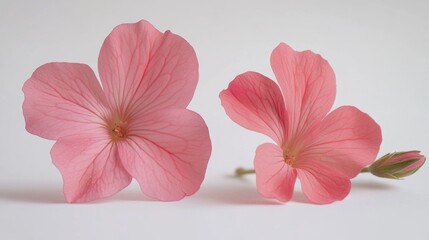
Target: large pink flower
(323, 150)
(135, 126)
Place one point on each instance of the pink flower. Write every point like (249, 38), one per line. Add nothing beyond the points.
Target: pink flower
(135, 125)
(323, 150)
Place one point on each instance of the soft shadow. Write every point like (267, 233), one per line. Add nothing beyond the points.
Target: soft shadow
(242, 190)
(371, 185)
(48, 193)
(234, 190)
(126, 195)
(32, 193)
(360, 185)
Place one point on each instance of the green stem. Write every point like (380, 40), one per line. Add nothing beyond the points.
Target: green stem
(241, 171)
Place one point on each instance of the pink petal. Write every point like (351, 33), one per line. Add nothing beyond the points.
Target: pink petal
(90, 166)
(308, 84)
(255, 102)
(347, 140)
(62, 99)
(322, 184)
(167, 152)
(408, 156)
(142, 68)
(398, 157)
(274, 178)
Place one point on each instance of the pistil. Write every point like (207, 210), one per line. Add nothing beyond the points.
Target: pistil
(289, 158)
(119, 130)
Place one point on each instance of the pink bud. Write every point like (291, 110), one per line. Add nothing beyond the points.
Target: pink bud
(398, 164)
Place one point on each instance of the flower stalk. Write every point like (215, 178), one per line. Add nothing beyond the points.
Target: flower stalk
(242, 171)
(396, 165)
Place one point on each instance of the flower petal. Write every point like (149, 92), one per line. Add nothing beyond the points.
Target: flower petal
(308, 84)
(256, 103)
(274, 178)
(347, 140)
(322, 184)
(167, 152)
(90, 166)
(142, 68)
(415, 166)
(62, 99)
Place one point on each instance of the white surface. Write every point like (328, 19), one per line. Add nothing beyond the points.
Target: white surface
(378, 49)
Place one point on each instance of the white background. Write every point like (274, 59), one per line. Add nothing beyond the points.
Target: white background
(378, 49)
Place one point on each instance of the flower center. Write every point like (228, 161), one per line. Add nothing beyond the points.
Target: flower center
(289, 157)
(119, 130)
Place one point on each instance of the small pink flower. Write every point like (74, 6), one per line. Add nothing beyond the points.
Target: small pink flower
(135, 125)
(323, 150)
(397, 165)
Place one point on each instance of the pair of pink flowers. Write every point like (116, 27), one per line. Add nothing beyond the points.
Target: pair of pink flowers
(137, 126)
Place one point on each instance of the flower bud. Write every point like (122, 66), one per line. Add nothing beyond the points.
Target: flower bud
(397, 165)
